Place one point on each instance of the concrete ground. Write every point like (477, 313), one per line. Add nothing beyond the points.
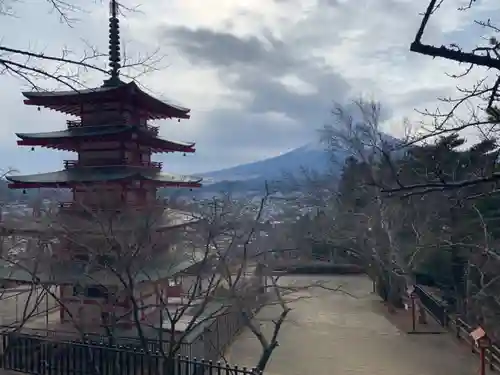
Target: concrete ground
(337, 333)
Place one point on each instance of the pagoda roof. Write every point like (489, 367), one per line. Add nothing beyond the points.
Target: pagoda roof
(60, 223)
(71, 272)
(84, 131)
(84, 175)
(70, 102)
(59, 138)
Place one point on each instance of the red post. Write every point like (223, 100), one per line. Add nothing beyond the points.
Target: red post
(482, 354)
(482, 341)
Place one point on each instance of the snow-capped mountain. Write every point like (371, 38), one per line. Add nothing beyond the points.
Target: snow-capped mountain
(252, 177)
(315, 156)
(312, 156)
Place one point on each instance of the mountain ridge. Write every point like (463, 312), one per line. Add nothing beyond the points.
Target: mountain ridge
(315, 157)
(310, 156)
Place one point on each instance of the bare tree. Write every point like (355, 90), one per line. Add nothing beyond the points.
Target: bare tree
(41, 70)
(371, 232)
(473, 108)
(134, 259)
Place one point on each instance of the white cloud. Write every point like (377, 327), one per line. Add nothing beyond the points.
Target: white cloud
(305, 54)
(297, 85)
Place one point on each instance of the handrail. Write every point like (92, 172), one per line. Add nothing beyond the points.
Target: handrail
(438, 310)
(461, 329)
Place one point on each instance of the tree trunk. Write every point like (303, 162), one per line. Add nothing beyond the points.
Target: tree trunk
(266, 356)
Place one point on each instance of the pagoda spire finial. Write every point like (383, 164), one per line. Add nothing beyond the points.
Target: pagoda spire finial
(114, 45)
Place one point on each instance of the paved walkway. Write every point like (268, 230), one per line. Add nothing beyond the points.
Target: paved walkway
(330, 333)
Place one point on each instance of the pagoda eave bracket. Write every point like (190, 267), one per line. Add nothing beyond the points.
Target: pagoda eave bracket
(55, 185)
(26, 185)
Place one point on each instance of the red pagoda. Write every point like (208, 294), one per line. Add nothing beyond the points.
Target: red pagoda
(113, 172)
(112, 138)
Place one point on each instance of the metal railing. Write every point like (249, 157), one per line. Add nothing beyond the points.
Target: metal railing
(436, 308)
(439, 311)
(36, 355)
(68, 164)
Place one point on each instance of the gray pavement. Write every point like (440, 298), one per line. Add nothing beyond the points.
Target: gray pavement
(334, 333)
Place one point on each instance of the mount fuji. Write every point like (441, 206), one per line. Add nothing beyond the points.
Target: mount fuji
(312, 157)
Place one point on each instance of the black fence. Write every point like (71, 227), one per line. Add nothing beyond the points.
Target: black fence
(42, 356)
(435, 307)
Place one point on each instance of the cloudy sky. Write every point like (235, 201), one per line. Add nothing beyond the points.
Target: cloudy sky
(259, 75)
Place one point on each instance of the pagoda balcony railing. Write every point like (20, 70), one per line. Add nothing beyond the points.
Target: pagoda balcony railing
(155, 130)
(74, 124)
(96, 207)
(71, 124)
(68, 164)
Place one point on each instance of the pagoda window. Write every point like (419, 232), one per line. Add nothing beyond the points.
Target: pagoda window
(91, 291)
(96, 291)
